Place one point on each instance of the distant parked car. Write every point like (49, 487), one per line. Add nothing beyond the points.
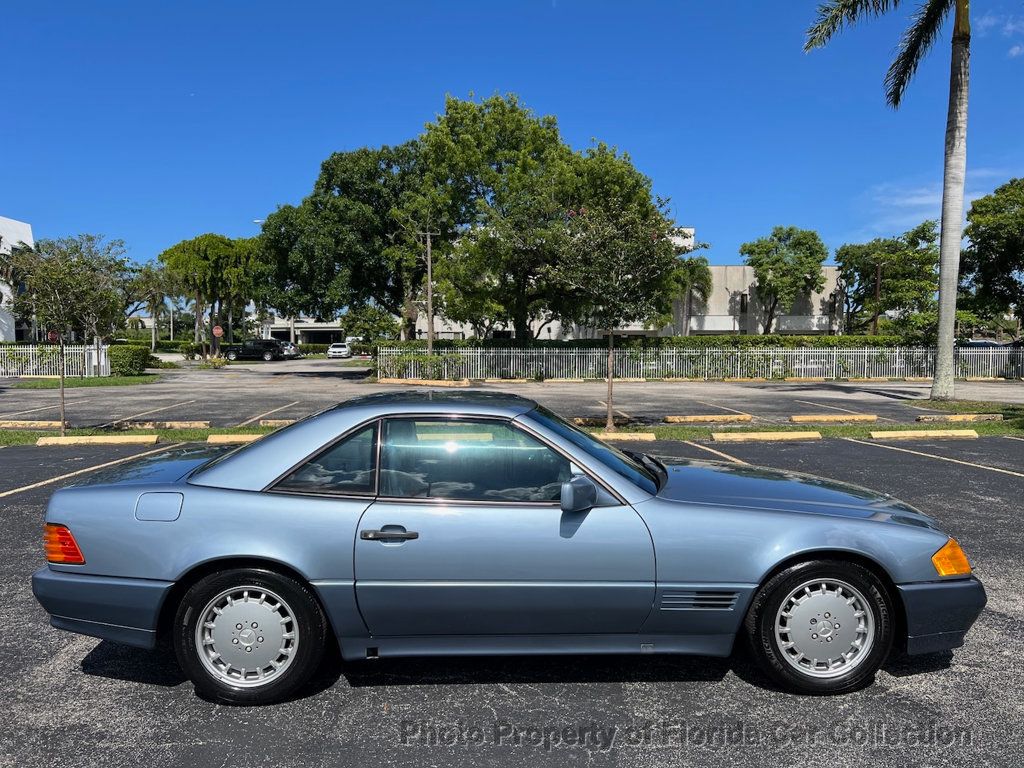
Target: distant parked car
(980, 344)
(339, 349)
(255, 349)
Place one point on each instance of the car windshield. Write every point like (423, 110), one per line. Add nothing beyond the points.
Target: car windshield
(613, 458)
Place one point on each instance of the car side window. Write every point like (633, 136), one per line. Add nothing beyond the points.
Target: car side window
(347, 467)
(463, 459)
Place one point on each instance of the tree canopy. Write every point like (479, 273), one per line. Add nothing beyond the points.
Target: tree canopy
(787, 265)
(993, 262)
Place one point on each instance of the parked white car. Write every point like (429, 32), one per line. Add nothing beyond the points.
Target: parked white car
(338, 350)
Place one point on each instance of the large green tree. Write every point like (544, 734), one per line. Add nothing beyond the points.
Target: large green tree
(70, 284)
(200, 265)
(994, 258)
(622, 266)
(510, 179)
(894, 275)
(787, 266)
(925, 27)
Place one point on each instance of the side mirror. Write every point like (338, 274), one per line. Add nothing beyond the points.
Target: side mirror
(578, 494)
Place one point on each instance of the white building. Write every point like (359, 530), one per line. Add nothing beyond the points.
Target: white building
(12, 233)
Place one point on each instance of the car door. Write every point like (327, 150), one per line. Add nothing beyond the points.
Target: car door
(466, 537)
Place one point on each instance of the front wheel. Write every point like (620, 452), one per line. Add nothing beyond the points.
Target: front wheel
(822, 627)
(268, 356)
(232, 355)
(249, 636)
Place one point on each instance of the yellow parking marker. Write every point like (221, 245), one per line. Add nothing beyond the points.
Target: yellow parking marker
(228, 439)
(761, 437)
(917, 434)
(145, 413)
(276, 422)
(28, 424)
(937, 457)
(100, 440)
(714, 418)
(831, 418)
(639, 436)
(78, 472)
(598, 421)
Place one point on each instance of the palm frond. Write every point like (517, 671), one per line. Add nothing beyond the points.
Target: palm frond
(833, 15)
(916, 42)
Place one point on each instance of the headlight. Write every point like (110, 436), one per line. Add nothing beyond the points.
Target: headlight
(951, 560)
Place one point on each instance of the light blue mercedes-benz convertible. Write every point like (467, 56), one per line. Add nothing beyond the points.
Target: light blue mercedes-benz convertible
(429, 523)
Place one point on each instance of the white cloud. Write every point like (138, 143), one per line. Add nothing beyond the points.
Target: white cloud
(987, 22)
(1015, 51)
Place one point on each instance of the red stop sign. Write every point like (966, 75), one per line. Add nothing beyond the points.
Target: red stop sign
(218, 331)
(53, 337)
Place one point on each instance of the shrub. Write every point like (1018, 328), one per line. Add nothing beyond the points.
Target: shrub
(313, 349)
(128, 360)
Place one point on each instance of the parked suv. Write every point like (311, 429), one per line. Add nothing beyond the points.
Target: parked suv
(339, 349)
(255, 349)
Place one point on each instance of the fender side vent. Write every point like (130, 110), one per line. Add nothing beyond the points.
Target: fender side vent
(698, 601)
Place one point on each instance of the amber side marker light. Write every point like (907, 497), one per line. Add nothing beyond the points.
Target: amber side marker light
(951, 560)
(60, 545)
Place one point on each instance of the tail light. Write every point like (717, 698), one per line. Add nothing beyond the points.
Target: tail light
(60, 545)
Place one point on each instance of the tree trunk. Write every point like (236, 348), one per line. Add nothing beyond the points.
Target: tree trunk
(610, 420)
(953, 203)
(198, 314)
(172, 322)
(152, 331)
(63, 417)
(687, 311)
(231, 322)
(521, 324)
(291, 329)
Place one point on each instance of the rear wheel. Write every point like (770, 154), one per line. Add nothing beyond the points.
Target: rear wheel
(268, 356)
(823, 626)
(249, 636)
(232, 355)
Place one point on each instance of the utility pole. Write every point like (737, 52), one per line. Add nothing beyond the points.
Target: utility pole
(430, 293)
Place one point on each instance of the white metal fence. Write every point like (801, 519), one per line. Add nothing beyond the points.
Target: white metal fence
(44, 360)
(691, 363)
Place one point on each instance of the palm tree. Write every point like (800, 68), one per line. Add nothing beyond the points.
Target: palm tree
(926, 24)
(695, 280)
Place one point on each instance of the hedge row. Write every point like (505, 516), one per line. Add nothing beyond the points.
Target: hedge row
(128, 360)
(730, 341)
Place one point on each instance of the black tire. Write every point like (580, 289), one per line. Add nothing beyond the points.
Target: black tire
(232, 355)
(765, 646)
(308, 652)
(268, 356)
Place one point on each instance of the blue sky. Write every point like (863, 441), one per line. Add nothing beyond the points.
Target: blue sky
(157, 121)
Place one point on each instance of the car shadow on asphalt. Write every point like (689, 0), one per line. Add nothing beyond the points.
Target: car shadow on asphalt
(160, 668)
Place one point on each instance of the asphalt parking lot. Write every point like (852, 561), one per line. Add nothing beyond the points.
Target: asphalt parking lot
(73, 700)
(242, 395)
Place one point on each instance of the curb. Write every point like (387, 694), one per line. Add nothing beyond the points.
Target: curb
(598, 421)
(639, 436)
(831, 418)
(918, 434)
(161, 425)
(28, 424)
(100, 440)
(762, 437)
(721, 418)
(231, 439)
(962, 417)
(427, 382)
(276, 422)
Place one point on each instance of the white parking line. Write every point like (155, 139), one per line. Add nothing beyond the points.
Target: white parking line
(721, 407)
(625, 415)
(144, 413)
(69, 475)
(247, 422)
(837, 408)
(936, 456)
(43, 408)
(1011, 437)
(733, 459)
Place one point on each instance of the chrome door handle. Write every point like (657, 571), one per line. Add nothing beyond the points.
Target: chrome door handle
(377, 535)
